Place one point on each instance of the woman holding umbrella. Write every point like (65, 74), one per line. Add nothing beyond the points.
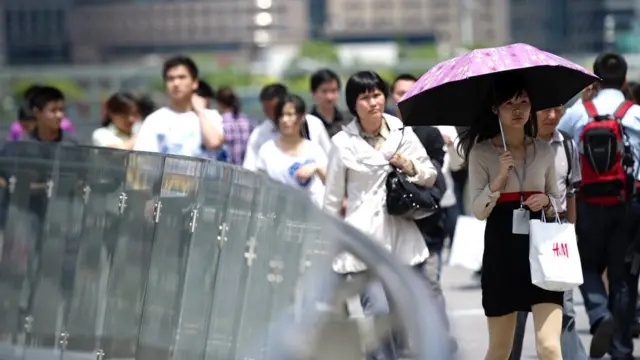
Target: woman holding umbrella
(511, 175)
(508, 188)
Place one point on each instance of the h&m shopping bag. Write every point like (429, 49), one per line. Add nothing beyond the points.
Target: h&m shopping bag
(468, 243)
(553, 255)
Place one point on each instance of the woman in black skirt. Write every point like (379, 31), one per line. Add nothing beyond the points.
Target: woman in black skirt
(508, 188)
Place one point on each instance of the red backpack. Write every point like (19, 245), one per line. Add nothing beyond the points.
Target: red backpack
(605, 157)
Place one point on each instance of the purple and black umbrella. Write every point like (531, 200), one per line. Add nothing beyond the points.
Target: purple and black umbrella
(456, 91)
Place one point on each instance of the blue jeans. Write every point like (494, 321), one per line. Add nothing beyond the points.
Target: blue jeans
(374, 302)
(572, 348)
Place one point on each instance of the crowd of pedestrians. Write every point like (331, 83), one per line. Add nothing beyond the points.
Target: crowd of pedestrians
(342, 157)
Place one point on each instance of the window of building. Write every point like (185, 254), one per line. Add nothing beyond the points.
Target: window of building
(414, 21)
(380, 5)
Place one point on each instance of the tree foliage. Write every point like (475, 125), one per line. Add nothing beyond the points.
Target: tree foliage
(297, 76)
(322, 51)
(418, 52)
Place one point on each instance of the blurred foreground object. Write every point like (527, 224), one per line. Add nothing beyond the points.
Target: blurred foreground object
(114, 254)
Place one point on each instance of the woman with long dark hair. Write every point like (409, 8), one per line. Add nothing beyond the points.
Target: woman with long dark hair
(509, 187)
(120, 122)
(236, 126)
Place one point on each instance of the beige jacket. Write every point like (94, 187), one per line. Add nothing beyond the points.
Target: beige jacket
(358, 171)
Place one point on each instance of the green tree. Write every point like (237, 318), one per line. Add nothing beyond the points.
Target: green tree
(474, 46)
(417, 52)
(322, 51)
(297, 77)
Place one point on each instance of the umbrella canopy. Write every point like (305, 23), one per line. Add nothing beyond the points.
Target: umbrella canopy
(455, 91)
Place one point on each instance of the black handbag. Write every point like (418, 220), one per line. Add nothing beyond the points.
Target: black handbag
(410, 200)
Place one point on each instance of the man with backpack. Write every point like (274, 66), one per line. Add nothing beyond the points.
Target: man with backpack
(607, 131)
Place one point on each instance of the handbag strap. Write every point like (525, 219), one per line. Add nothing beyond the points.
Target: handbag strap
(543, 217)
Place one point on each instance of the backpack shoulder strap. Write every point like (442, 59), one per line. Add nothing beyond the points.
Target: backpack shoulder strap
(622, 110)
(591, 109)
(567, 142)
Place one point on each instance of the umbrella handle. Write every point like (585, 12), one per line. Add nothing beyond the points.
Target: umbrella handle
(504, 141)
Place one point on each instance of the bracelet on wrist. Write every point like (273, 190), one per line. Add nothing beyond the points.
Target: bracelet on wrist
(548, 202)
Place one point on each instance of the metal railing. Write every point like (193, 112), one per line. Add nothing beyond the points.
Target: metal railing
(109, 254)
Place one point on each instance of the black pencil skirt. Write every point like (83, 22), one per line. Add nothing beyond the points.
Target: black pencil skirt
(506, 274)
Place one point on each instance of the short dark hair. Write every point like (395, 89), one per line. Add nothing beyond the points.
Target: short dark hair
(612, 69)
(361, 83)
(205, 90)
(323, 76)
(401, 77)
(24, 113)
(42, 96)
(180, 60)
(28, 93)
(273, 91)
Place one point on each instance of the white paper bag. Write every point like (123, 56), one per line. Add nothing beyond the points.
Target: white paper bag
(553, 256)
(468, 243)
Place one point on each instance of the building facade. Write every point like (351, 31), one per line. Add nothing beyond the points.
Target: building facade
(36, 32)
(89, 31)
(378, 20)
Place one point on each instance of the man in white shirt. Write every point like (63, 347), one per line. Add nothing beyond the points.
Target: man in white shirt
(269, 97)
(186, 126)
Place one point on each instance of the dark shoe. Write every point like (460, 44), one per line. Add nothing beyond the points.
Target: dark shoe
(601, 340)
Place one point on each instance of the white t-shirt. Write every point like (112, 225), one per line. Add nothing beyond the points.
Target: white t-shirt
(109, 135)
(267, 131)
(282, 167)
(169, 132)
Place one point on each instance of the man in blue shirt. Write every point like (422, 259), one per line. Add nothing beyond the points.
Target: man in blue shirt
(606, 232)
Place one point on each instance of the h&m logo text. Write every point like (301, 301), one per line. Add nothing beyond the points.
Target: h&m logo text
(560, 250)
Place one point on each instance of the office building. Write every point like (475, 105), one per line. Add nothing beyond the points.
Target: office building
(378, 20)
(117, 29)
(459, 23)
(89, 31)
(569, 26)
(35, 32)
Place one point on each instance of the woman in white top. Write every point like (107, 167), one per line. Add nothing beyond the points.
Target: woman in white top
(363, 155)
(290, 158)
(120, 124)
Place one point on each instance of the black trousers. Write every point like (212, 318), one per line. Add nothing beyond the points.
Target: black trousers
(605, 237)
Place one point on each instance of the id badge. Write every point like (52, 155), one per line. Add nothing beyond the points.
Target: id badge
(520, 222)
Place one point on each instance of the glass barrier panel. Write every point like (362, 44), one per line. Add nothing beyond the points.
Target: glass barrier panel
(202, 266)
(49, 208)
(16, 237)
(169, 258)
(237, 246)
(127, 255)
(269, 282)
(131, 239)
(101, 175)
